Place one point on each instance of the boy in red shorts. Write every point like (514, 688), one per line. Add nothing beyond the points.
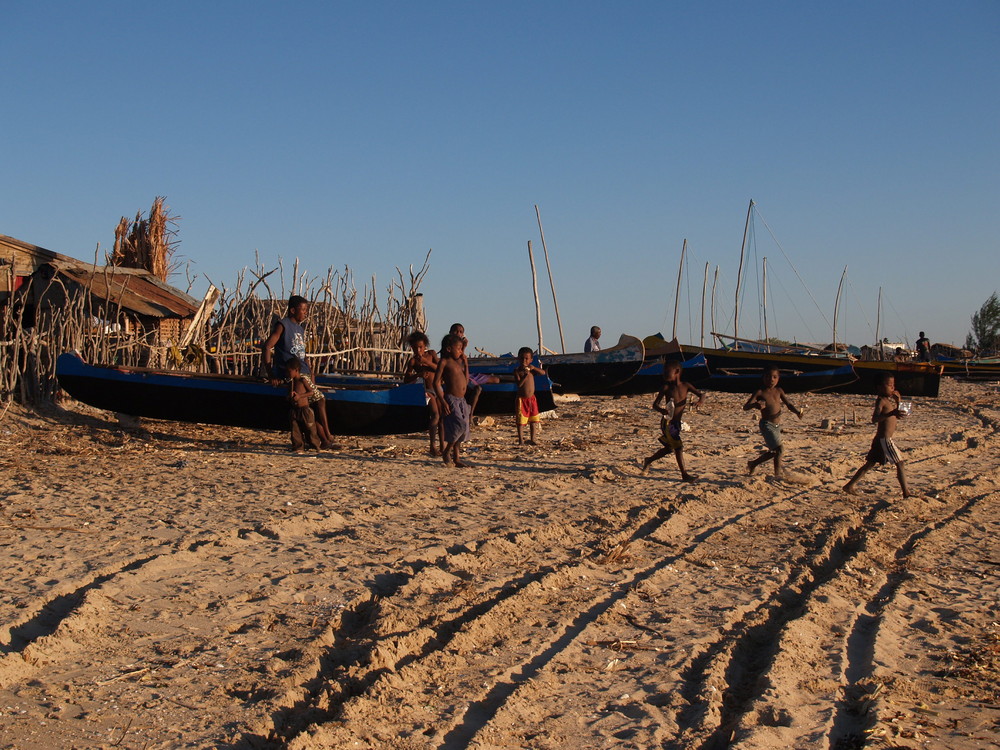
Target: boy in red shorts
(527, 405)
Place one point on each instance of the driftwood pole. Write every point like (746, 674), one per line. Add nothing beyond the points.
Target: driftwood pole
(677, 293)
(534, 287)
(715, 281)
(836, 309)
(552, 283)
(704, 285)
(739, 277)
(767, 338)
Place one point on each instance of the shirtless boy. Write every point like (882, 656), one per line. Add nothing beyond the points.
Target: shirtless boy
(423, 366)
(301, 416)
(450, 381)
(883, 450)
(476, 380)
(673, 397)
(526, 410)
(768, 399)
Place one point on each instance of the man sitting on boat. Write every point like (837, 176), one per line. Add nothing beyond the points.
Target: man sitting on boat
(287, 339)
(593, 344)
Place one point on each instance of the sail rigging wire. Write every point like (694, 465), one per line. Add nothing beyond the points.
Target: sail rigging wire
(861, 307)
(812, 335)
(906, 332)
(792, 265)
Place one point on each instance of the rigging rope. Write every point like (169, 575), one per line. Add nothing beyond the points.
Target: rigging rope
(818, 308)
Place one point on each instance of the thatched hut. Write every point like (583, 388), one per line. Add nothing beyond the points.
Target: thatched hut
(133, 300)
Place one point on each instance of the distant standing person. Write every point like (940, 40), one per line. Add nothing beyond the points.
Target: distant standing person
(883, 450)
(769, 399)
(923, 348)
(527, 404)
(593, 344)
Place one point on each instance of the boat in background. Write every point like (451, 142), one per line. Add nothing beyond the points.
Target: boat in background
(981, 368)
(912, 378)
(369, 409)
(585, 373)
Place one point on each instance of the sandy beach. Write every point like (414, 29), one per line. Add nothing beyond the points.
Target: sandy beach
(172, 585)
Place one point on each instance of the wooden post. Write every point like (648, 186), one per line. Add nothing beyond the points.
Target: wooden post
(739, 276)
(552, 283)
(767, 338)
(534, 287)
(704, 286)
(677, 293)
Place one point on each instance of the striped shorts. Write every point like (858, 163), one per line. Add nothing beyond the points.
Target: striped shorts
(883, 451)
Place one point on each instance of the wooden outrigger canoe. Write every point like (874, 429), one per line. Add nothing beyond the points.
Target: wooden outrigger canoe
(237, 401)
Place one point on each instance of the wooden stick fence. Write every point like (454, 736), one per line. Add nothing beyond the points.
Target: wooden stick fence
(348, 328)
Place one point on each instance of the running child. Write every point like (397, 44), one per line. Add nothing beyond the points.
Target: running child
(526, 410)
(883, 450)
(768, 399)
(423, 366)
(673, 395)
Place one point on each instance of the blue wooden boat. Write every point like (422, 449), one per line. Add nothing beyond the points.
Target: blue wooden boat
(236, 401)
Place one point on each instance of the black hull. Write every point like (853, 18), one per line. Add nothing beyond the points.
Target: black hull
(911, 379)
(236, 403)
(502, 403)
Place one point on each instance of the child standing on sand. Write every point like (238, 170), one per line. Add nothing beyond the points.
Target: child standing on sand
(883, 450)
(768, 399)
(477, 380)
(301, 416)
(526, 410)
(423, 366)
(673, 395)
(450, 381)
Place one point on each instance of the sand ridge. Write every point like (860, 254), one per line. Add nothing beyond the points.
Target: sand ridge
(186, 586)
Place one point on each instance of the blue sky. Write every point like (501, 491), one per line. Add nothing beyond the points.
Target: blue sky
(365, 134)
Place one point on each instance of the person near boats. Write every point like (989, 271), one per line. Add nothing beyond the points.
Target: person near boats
(923, 348)
(476, 380)
(450, 383)
(593, 344)
(301, 394)
(527, 405)
(888, 410)
(422, 366)
(287, 340)
(768, 399)
(673, 396)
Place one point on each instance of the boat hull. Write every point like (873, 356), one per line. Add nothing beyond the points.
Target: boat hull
(912, 378)
(586, 373)
(237, 402)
